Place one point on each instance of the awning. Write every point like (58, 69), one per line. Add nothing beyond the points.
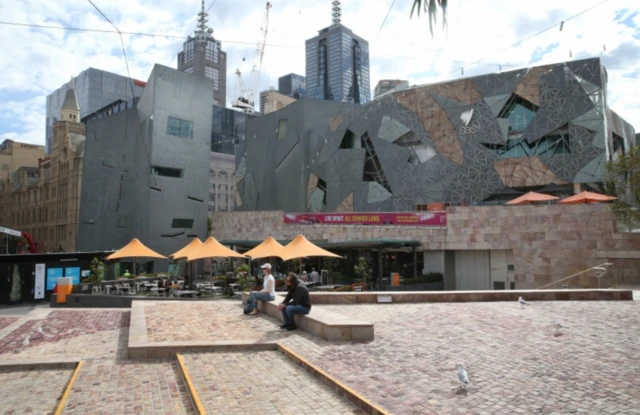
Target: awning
(190, 248)
(586, 197)
(531, 197)
(213, 249)
(323, 243)
(135, 249)
(268, 248)
(300, 247)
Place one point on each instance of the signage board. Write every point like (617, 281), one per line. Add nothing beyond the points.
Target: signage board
(384, 299)
(10, 231)
(38, 292)
(377, 218)
(73, 273)
(52, 277)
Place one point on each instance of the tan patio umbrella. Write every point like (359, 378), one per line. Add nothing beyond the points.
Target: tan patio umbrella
(531, 197)
(586, 197)
(135, 249)
(190, 247)
(268, 248)
(300, 247)
(211, 248)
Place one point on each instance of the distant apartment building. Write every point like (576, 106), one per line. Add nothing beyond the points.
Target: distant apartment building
(271, 100)
(386, 86)
(44, 200)
(292, 85)
(202, 55)
(14, 155)
(94, 90)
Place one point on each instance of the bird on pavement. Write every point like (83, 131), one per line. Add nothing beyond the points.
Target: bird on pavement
(463, 377)
(40, 331)
(26, 341)
(522, 302)
(558, 326)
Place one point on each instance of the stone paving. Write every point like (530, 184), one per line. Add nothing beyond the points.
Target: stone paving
(7, 321)
(127, 387)
(34, 391)
(262, 382)
(516, 363)
(94, 334)
(174, 321)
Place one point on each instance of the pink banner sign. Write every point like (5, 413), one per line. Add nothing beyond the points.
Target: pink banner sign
(364, 218)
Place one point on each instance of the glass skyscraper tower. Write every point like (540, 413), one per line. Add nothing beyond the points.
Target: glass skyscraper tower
(338, 65)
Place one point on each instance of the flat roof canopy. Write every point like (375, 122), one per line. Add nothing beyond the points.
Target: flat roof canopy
(323, 243)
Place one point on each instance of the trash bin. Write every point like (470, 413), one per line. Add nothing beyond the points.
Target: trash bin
(64, 288)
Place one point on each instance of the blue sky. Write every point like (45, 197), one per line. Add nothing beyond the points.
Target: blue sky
(35, 62)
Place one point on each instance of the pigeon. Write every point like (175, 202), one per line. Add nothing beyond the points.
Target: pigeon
(26, 341)
(40, 330)
(463, 377)
(558, 326)
(522, 302)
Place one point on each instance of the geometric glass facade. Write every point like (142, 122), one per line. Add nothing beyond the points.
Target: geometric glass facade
(229, 128)
(95, 89)
(337, 66)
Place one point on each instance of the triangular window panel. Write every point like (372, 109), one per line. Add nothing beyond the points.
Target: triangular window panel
(519, 112)
(372, 171)
(349, 140)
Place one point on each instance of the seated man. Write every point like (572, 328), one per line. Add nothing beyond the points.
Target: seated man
(268, 292)
(297, 301)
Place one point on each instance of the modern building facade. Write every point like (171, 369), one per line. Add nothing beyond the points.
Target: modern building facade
(292, 85)
(337, 66)
(221, 183)
(229, 127)
(386, 86)
(44, 200)
(94, 90)
(461, 142)
(152, 163)
(202, 55)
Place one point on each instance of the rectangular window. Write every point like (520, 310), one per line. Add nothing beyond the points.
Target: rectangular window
(182, 223)
(166, 171)
(179, 128)
(282, 129)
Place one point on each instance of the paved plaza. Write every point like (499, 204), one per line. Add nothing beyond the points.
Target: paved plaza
(516, 361)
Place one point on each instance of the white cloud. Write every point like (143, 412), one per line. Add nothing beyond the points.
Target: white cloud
(37, 61)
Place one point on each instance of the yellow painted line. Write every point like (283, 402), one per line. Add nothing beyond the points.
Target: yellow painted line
(67, 391)
(376, 409)
(192, 388)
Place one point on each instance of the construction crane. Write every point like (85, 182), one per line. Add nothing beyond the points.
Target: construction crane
(246, 93)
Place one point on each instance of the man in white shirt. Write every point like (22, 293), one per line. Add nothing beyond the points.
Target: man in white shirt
(268, 292)
(314, 276)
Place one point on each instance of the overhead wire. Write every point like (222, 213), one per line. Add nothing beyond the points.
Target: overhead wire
(385, 18)
(126, 61)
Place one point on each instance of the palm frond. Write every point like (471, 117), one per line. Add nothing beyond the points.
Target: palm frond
(431, 7)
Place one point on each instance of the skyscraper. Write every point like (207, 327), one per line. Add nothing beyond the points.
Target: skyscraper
(95, 89)
(338, 64)
(292, 85)
(202, 55)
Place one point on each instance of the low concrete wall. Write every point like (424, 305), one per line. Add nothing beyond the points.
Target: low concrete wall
(471, 296)
(109, 301)
(325, 324)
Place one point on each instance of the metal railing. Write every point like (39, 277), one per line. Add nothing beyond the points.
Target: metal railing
(600, 272)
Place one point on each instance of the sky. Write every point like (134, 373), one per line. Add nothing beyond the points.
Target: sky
(479, 39)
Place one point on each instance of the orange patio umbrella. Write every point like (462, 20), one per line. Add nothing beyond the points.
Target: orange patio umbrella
(531, 197)
(135, 249)
(268, 248)
(586, 197)
(300, 247)
(189, 248)
(211, 248)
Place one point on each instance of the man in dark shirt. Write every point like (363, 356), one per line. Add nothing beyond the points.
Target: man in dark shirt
(297, 301)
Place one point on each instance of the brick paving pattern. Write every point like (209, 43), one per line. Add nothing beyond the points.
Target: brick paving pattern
(213, 321)
(93, 334)
(127, 387)
(516, 363)
(7, 321)
(32, 391)
(264, 382)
